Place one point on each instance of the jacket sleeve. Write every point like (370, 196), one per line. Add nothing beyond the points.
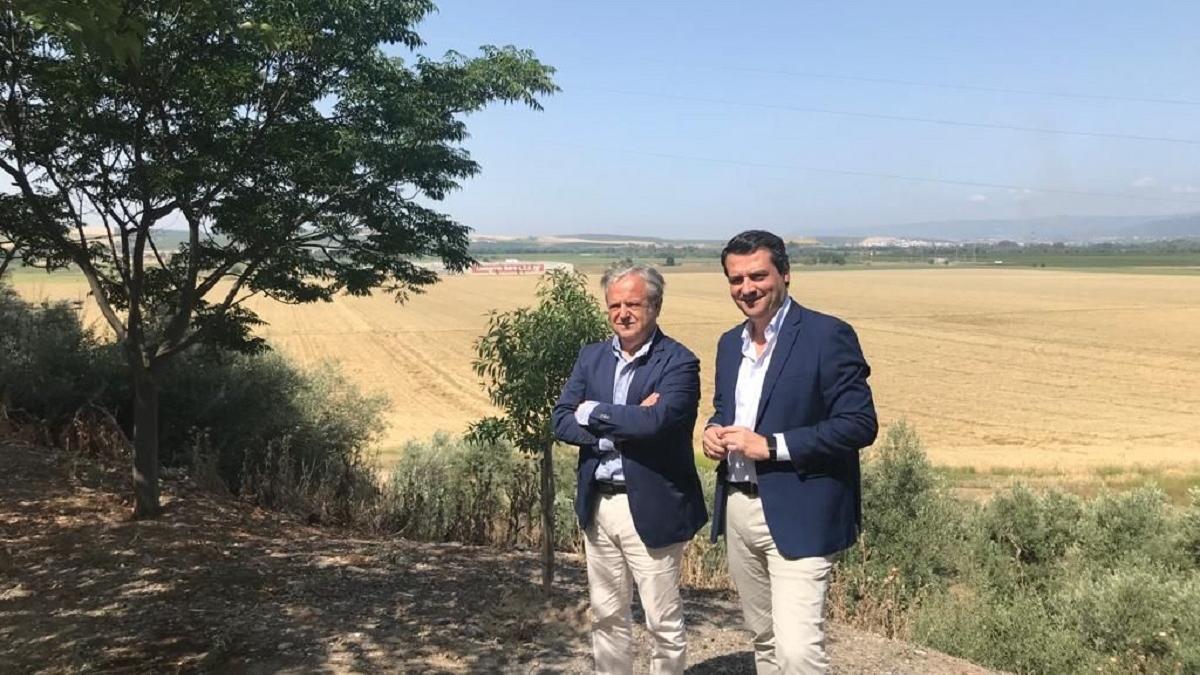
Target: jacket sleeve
(566, 429)
(850, 423)
(678, 397)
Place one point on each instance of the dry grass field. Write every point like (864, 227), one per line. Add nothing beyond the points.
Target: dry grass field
(999, 370)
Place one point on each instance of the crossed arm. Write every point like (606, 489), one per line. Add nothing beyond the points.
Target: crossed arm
(674, 400)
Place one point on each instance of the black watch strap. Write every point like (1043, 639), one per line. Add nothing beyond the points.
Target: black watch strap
(772, 447)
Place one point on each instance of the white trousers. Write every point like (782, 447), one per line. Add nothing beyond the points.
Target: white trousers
(783, 601)
(616, 559)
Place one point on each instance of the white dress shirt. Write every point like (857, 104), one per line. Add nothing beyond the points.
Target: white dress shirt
(751, 374)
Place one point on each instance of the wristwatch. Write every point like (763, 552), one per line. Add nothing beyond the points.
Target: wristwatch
(772, 447)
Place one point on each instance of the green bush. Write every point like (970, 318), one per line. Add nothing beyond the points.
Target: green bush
(1016, 632)
(250, 411)
(450, 489)
(252, 419)
(50, 365)
(911, 527)
(1145, 617)
(568, 536)
(1022, 537)
(1189, 533)
(1132, 525)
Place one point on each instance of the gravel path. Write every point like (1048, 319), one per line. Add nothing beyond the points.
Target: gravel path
(218, 586)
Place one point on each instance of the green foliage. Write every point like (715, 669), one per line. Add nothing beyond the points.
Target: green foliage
(567, 535)
(300, 157)
(1145, 616)
(247, 415)
(909, 522)
(251, 412)
(525, 359)
(1022, 537)
(1189, 533)
(99, 27)
(1027, 582)
(1018, 633)
(527, 354)
(1130, 525)
(50, 365)
(448, 489)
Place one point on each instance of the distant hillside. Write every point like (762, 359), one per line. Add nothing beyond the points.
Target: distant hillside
(1172, 227)
(1053, 228)
(1068, 228)
(611, 238)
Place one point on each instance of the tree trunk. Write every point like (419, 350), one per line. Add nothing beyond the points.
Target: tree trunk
(547, 517)
(145, 444)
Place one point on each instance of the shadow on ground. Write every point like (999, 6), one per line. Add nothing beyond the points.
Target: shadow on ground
(215, 585)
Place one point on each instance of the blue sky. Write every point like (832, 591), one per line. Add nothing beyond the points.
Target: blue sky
(697, 119)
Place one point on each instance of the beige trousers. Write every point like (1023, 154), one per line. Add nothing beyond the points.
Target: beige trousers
(616, 557)
(783, 600)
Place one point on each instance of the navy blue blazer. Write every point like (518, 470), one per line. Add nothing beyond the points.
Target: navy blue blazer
(815, 394)
(665, 497)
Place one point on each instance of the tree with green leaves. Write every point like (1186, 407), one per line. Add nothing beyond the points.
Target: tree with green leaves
(295, 155)
(525, 359)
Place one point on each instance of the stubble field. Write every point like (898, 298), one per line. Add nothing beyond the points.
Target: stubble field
(1028, 370)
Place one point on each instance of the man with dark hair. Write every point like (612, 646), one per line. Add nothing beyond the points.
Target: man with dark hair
(630, 405)
(793, 409)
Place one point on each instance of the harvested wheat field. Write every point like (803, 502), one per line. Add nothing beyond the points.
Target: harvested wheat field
(1028, 369)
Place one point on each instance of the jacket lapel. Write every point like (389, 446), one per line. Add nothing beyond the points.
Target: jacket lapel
(729, 362)
(604, 377)
(783, 350)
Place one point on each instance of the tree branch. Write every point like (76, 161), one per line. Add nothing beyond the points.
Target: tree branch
(9, 254)
(77, 254)
(182, 319)
(166, 351)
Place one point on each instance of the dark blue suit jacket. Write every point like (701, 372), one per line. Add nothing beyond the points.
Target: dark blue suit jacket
(815, 394)
(665, 497)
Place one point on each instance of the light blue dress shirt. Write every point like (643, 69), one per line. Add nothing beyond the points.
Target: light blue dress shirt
(610, 468)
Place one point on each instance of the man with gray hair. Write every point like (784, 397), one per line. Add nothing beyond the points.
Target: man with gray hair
(630, 405)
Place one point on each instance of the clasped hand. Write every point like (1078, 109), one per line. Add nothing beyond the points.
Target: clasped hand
(718, 441)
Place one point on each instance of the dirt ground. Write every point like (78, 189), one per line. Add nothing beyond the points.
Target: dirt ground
(215, 585)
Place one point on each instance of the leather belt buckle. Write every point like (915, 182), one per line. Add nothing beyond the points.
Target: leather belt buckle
(748, 489)
(606, 488)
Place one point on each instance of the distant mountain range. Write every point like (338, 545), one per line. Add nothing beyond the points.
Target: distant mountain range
(1054, 228)
(1075, 229)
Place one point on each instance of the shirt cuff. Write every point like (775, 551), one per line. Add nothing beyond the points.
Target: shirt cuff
(606, 445)
(584, 412)
(781, 451)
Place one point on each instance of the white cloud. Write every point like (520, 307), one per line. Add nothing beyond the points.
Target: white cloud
(1185, 189)
(1145, 182)
(977, 198)
(1020, 195)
